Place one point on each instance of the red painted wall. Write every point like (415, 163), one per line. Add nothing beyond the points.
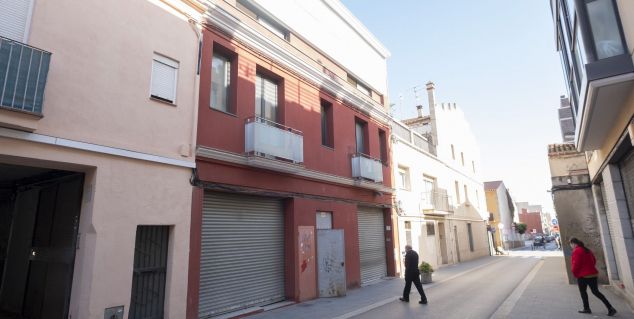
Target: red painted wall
(532, 221)
(300, 110)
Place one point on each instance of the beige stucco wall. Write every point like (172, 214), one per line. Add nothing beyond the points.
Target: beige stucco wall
(119, 194)
(99, 80)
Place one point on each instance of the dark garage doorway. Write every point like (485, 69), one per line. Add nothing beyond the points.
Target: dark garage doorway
(39, 217)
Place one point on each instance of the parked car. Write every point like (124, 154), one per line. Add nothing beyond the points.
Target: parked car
(539, 241)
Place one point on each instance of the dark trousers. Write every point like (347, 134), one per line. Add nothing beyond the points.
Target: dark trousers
(583, 284)
(408, 286)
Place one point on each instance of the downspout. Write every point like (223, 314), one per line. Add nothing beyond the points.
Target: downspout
(196, 28)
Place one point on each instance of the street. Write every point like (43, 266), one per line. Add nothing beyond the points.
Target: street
(525, 283)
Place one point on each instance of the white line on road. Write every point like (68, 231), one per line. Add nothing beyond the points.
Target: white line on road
(391, 299)
(504, 310)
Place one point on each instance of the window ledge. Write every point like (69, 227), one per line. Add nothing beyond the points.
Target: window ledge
(19, 120)
(330, 148)
(163, 101)
(223, 112)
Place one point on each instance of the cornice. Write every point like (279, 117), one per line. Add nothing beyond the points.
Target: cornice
(294, 169)
(224, 21)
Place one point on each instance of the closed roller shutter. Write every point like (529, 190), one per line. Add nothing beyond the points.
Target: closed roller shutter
(371, 244)
(14, 17)
(242, 253)
(611, 227)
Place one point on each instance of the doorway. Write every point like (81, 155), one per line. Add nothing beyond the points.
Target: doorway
(39, 210)
(443, 242)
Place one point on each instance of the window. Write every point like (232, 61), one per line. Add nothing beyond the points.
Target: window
(361, 128)
(14, 19)
(266, 98)
(164, 75)
(383, 146)
(462, 158)
(327, 136)
(431, 231)
(220, 82)
(323, 220)
(265, 20)
(408, 233)
(605, 28)
(403, 178)
(477, 199)
(470, 232)
(428, 190)
(457, 192)
(360, 86)
(473, 166)
(466, 193)
(453, 153)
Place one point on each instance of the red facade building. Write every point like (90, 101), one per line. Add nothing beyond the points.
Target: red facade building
(283, 154)
(533, 221)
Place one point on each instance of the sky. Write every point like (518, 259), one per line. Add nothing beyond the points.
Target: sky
(496, 59)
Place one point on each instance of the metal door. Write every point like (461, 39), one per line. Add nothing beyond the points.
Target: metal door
(627, 174)
(331, 267)
(371, 244)
(242, 253)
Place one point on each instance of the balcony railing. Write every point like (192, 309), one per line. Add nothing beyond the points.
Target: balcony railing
(436, 200)
(367, 167)
(23, 72)
(273, 140)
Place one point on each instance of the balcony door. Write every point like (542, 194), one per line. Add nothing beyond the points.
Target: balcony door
(266, 98)
(360, 130)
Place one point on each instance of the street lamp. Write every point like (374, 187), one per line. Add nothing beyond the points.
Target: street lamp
(501, 227)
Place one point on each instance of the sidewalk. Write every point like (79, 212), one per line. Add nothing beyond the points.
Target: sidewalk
(544, 293)
(362, 299)
(548, 295)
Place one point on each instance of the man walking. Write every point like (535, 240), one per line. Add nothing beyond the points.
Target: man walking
(412, 275)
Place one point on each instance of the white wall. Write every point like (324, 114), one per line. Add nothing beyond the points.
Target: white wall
(329, 26)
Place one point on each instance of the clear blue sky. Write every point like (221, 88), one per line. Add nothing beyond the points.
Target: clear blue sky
(496, 59)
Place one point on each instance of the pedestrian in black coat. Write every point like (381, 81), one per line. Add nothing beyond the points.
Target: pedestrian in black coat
(412, 274)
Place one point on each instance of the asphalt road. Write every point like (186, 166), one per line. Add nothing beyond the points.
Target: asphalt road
(477, 294)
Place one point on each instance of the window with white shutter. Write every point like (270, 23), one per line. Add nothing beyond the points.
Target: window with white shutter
(14, 19)
(164, 76)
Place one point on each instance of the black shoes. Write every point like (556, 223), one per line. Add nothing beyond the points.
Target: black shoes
(403, 299)
(585, 311)
(611, 312)
(424, 302)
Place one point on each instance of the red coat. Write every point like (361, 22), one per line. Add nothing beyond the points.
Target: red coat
(583, 263)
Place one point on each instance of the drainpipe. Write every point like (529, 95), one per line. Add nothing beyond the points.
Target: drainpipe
(197, 29)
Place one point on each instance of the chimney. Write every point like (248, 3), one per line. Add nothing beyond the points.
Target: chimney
(420, 110)
(432, 112)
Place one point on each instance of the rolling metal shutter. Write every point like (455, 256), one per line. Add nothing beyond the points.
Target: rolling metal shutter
(14, 17)
(242, 257)
(611, 227)
(371, 244)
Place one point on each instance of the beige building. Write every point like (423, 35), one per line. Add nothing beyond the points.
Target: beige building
(599, 71)
(501, 215)
(97, 124)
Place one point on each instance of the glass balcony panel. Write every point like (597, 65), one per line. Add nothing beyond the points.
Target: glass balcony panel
(368, 168)
(605, 29)
(23, 72)
(272, 139)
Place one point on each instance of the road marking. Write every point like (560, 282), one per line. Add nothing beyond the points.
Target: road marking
(504, 310)
(392, 299)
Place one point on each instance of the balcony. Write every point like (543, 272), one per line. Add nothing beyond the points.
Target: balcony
(23, 72)
(436, 202)
(365, 167)
(273, 146)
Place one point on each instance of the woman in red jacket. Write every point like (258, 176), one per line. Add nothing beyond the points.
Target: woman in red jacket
(583, 269)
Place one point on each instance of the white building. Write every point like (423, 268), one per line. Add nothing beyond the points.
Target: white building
(440, 197)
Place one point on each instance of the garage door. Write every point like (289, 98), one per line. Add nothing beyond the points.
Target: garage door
(242, 253)
(371, 244)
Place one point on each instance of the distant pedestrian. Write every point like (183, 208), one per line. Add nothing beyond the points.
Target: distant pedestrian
(412, 274)
(583, 268)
